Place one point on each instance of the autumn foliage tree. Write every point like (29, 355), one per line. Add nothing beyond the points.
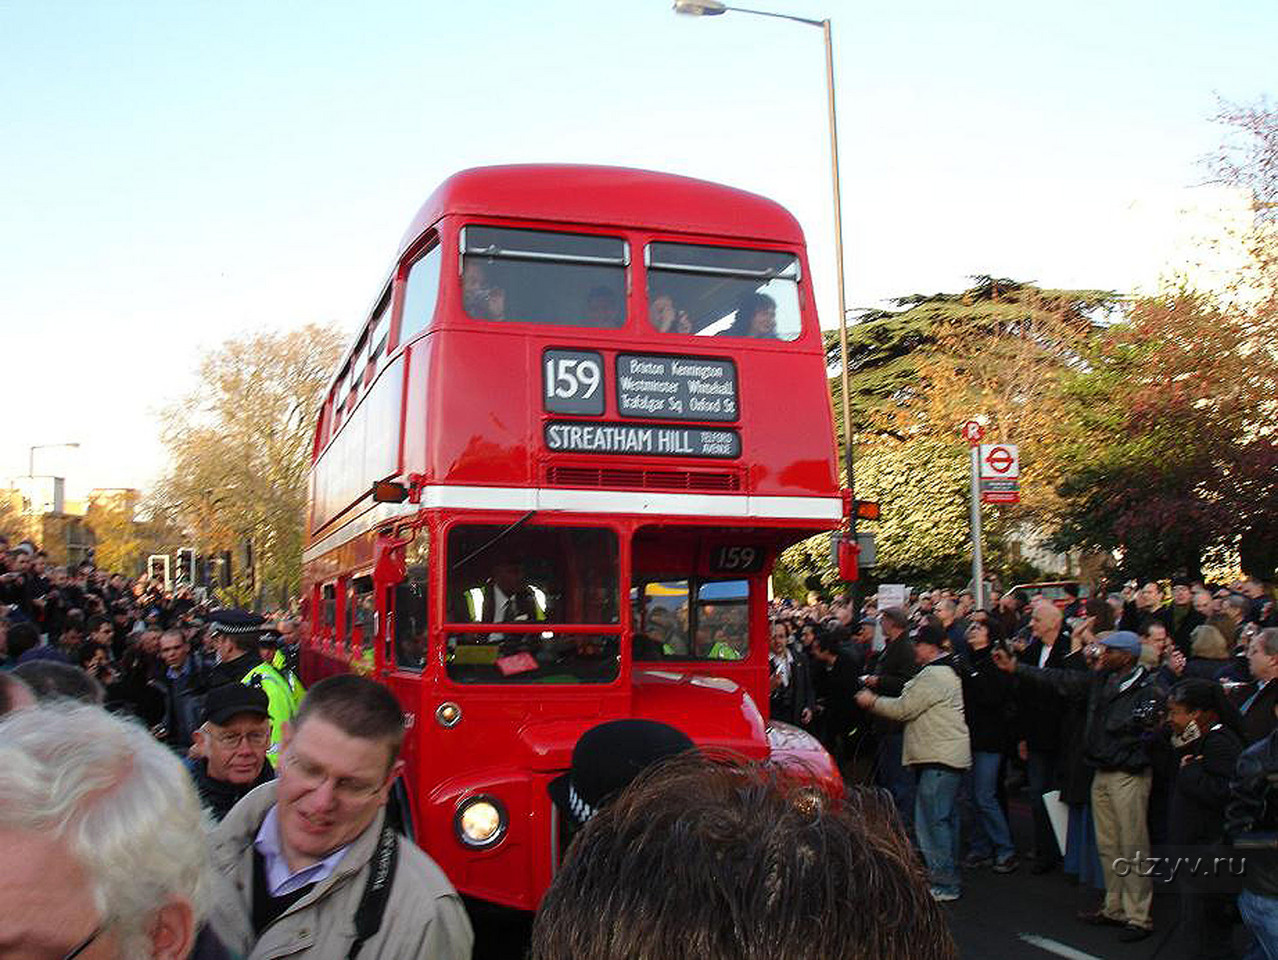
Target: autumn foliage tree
(239, 450)
(918, 372)
(1167, 452)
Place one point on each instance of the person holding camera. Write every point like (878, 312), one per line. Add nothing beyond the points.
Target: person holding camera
(1124, 704)
(990, 712)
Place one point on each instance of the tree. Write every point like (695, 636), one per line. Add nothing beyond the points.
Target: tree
(240, 451)
(1168, 449)
(998, 349)
(118, 544)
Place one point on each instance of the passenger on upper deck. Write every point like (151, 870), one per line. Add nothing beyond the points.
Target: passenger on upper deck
(603, 308)
(756, 317)
(663, 315)
(481, 299)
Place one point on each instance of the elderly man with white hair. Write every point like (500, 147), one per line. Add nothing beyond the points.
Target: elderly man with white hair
(103, 854)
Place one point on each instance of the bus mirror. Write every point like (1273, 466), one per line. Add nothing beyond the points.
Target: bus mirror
(388, 491)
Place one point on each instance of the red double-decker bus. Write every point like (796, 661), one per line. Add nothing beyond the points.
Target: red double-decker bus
(550, 480)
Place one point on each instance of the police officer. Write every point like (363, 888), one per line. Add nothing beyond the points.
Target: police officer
(270, 651)
(237, 634)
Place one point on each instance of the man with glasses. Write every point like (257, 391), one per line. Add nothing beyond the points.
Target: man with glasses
(230, 747)
(309, 867)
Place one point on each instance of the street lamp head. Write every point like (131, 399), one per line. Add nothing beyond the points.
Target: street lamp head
(700, 8)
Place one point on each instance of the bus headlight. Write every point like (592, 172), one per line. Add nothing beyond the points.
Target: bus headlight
(480, 822)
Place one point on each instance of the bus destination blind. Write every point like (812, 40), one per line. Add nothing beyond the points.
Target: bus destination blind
(676, 388)
(642, 439)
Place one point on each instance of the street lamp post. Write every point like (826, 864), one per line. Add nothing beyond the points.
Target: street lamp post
(699, 8)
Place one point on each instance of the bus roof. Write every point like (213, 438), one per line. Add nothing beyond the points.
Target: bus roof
(608, 196)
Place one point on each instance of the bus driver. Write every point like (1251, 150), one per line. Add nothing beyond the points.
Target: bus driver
(505, 597)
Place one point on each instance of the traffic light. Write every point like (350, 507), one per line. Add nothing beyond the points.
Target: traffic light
(157, 568)
(186, 566)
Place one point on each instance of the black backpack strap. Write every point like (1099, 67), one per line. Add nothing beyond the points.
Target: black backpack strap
(372, 905)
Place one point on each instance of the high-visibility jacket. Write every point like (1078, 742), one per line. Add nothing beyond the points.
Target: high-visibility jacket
(724, 651)
(481, 601)
(295, 688)
(280, 704)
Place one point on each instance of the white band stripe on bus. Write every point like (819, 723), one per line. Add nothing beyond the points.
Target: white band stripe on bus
(523, 499)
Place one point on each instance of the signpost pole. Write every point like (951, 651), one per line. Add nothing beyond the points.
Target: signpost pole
(978, 570)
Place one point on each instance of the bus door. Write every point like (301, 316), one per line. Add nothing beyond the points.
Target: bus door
(402, 584)
(698, 617)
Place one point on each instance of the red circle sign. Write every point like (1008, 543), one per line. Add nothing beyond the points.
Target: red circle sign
(973, 432)
(1000, 459)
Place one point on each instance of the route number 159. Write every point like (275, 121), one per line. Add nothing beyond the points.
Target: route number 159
(736, 560)
(572, 382)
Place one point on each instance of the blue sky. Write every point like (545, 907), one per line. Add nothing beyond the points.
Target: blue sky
(175, 173)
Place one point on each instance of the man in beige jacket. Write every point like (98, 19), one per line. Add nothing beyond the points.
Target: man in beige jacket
(308, 868)
(937, 748)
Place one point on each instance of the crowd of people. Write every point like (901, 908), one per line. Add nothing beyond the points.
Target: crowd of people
(170, 792)
(1140, 724)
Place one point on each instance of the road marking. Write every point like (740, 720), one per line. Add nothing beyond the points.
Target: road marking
(1052, 946)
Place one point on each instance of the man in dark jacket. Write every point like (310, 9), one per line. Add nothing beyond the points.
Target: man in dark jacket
(791, 698)
(989, 704)
(231, 742)
(184, 688)
(1123, 705)
(835, 682)
(1039, 714)
(1179, 616)
(1260, 697)
(1251, 822)
(235, 635)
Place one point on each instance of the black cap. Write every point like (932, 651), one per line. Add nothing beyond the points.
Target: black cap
(232, 699)
(607, 758)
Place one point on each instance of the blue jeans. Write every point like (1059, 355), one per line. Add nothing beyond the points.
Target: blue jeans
(1081, 856)
(990, 833)
(895, 777)
(936, 823)
(1261, 916)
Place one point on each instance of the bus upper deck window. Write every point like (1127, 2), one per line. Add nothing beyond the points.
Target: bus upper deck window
(723, 291)
(542, 277)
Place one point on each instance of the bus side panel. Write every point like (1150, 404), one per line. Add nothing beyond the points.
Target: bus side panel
(417, 410)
